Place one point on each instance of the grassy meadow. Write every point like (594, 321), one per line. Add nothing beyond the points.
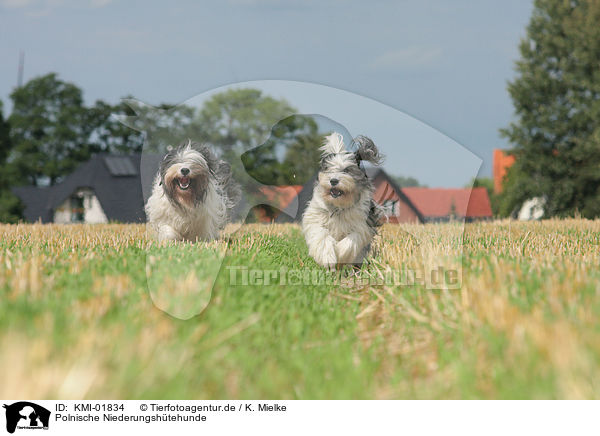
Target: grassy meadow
(77, 319)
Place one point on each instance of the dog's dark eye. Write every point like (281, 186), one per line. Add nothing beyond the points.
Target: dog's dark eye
(346, 170)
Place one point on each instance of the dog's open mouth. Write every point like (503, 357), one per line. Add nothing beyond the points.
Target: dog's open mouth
(183, 182)
(335, 192)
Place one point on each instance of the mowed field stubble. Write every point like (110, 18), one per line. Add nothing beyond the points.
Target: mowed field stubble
(77, 320)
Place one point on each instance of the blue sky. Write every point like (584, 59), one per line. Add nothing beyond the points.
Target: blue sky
(445, 63)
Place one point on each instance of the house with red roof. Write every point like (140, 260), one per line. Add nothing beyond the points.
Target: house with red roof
(446, 204)
(110, 188)
(399, 207)
(403, 205)
(421, 205)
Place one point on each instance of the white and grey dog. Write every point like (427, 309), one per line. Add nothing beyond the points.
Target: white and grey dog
(192, 196)
(340, 220)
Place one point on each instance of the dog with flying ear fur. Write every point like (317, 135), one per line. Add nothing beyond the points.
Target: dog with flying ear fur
(340, 220)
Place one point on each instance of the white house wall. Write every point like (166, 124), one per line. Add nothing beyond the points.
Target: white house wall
(62, 214)
(92, 210)
(94, 214)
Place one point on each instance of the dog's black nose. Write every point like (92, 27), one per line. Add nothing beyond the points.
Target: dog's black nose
(185, 171)
(334, 182)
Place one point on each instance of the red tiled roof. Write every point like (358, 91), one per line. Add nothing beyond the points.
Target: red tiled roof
(280, 196)
(502, 162)
(438, 202)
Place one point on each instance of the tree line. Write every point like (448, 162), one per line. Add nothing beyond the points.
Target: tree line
(555, 134)
(556, 95)
(51, 130)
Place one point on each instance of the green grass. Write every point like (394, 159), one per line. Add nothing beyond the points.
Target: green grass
(77, 319)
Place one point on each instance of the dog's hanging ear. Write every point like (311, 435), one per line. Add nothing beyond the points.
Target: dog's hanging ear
(366, 150)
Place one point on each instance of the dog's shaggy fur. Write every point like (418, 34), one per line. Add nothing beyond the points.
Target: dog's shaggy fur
(192, 196)
(341, 218)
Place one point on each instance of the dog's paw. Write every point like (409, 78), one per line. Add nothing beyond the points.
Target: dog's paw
(324, 254)
(329, 259)
(167, 233)
(347, 249)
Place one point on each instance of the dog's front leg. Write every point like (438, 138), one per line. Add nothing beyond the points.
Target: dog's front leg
(349, 248)
(321, 247)
(167, 233)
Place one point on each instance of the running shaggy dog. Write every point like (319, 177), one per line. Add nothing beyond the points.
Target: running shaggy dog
(341, 218)
(192, 196)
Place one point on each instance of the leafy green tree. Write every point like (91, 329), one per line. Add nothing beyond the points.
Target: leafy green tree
(5, 142)
(302, 158)
(290, 156)
(10, 207)
(556, 96)
(50, 130)
(158, 128)
(407, 182)
(281, 147)
(238, 120)
(109, 133)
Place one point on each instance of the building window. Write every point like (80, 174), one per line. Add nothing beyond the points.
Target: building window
(391, 207)
(77, 209)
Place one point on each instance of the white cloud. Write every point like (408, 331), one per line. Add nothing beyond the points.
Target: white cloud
(406, 59)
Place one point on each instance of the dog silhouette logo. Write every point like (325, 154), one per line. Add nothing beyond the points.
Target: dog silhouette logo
(26, 415)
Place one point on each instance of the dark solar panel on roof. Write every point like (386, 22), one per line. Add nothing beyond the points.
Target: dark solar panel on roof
(120, 166)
